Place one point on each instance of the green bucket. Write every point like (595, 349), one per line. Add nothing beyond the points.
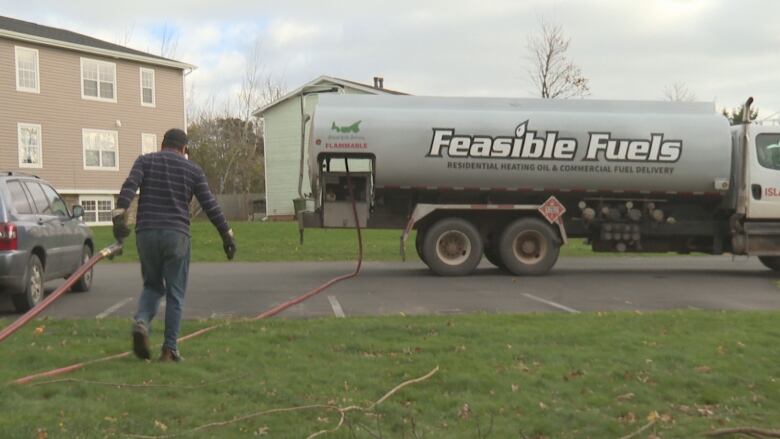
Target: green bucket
(299, 205)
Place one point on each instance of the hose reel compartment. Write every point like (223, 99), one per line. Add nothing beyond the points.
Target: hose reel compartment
(336, 202)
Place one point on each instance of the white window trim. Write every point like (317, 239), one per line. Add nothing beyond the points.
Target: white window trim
(19, 127)
(37, 88)
(97, 198)
(154, 87)
(156, 146)
(84, 151)
(98, 98)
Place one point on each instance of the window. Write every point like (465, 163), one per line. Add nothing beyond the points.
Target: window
(27, 77)
(19, 198)
(30, 150)
(101, 149)
(57, 205)
(148, 143)
(768, 150)
(147, 87)
(39, 198)
(97, 209)
(98, 80)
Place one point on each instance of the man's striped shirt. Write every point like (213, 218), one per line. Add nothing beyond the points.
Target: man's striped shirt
(168, 181)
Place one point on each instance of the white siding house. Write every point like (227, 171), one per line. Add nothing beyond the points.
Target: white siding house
(282, 139)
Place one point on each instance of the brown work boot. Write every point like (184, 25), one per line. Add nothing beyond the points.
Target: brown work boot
(169, 354)
(141, 341)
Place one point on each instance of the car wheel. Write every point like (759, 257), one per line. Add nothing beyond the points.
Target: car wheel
(528, 247)
(452, 247)
(85, 282)
(33, 286)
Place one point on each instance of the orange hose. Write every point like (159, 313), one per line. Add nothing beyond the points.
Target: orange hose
(265, 314)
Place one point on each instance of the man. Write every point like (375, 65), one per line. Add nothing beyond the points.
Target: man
(167, 181)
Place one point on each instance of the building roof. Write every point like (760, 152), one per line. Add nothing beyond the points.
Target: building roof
(328, 79)
(52, 36)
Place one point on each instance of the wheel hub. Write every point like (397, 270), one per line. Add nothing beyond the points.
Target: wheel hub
(529, 247)
(36, 285)
(453, 247)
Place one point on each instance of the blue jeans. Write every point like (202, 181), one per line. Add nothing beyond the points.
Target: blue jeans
(165, 263)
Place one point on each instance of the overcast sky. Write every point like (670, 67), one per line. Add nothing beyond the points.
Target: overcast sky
(724, 50)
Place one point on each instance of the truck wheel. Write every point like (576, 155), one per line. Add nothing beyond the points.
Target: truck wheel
(85, 283)
(452, 247)
(771, 262)
(418, 244)
(33, 286)
(492, 255)
(528, 247)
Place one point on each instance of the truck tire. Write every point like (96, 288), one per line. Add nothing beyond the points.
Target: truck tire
(418, 244)
(771, 262)
(85, 282)
(452, 247)
(33, 286)
(492, 255)
(528, 246)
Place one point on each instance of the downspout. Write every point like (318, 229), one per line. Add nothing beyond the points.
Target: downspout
(304, 119)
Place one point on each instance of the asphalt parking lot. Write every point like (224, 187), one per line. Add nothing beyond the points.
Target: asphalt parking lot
(591, 284)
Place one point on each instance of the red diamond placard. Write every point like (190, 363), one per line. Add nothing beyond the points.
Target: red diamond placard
(552, 209)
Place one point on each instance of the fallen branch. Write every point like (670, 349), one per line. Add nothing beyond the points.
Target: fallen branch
(749, 431)
(342, 411)
(638, 432)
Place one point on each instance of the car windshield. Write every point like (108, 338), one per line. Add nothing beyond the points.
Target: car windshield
(768, 150)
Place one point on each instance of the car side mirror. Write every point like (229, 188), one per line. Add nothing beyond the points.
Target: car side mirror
(78, 211)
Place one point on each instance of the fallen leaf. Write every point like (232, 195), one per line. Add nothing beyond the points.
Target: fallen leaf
(625, 397)
(653, 416)
(628, 418)
(515, 387)
(703, 369)
(262, 431)
(39, 330)
(160, 425)
(465, 411)
(542, 405)
(42, 434)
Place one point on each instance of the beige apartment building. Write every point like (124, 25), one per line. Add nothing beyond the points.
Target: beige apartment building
(77, 111)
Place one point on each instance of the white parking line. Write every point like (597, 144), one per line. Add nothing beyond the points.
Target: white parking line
(551, 303)
(113, 308)
(336, 307)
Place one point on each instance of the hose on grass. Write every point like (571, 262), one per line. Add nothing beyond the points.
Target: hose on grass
(263, 315)
(109, 251)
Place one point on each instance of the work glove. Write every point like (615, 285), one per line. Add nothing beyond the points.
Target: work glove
(121, 230)
(229, 243)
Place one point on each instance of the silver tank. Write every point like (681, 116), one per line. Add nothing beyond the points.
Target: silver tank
(527, 144)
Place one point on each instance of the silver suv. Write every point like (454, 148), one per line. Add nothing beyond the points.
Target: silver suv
(40, 239)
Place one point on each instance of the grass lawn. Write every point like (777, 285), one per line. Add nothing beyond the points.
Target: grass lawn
(501, 376)
(278, 241)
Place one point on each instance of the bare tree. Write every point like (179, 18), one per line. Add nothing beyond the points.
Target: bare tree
(225, 138)
(125, 37)
(679, 92)
(552, 73)
(169, 42)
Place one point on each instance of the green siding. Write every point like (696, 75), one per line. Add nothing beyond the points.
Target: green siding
(282, 153)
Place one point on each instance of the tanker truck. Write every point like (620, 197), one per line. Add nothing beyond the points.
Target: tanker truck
(515, 179)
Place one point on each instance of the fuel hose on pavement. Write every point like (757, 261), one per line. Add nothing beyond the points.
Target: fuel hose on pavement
(264, 315)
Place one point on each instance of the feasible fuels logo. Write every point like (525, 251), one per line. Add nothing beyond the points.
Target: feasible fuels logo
(527, 144)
